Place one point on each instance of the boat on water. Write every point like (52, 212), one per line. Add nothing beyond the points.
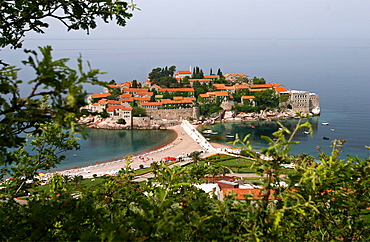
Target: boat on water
(230, 136)
(306, 132)
(208, 131)
(325, 138)
(213, 133)
(325, 123)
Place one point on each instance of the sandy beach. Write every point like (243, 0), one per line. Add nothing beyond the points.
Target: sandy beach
(181, 146)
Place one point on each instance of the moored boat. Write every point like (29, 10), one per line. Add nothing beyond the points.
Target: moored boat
(207, 131)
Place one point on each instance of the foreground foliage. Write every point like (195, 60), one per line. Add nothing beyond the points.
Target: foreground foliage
(321, 201)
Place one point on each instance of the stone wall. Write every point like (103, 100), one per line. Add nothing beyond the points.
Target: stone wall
(227, 105)
(173, 114)
(148, 123)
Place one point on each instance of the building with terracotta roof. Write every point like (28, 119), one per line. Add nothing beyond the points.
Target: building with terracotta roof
(172, 90)
(248, 100)
(182, 74)
(127, 95)
(120, 112)
(144, 94)
(147, 84)
(134, 90)
(213, 77)
(141, 99)
(93, 97)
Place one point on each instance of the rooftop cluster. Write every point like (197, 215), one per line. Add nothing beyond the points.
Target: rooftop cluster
(167, 89)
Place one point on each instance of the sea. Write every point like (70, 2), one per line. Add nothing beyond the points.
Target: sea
(336, 69)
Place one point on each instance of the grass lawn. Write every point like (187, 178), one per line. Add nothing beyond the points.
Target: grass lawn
(236, 164)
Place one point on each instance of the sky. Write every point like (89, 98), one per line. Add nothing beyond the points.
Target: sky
(253, 19)
(163, 32)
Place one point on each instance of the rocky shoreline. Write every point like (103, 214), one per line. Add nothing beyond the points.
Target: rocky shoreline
(230, 116)
(262, 115)
(98, 122)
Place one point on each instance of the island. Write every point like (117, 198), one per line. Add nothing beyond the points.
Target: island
(168, 97)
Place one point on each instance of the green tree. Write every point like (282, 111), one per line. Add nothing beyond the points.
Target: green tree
(74, 15)
(121, 121)
(54, 80)
(266, 98)
(134, 84)
(219, 72)
(195, 156)
(257, 80)
(40, 152)
(138, 112)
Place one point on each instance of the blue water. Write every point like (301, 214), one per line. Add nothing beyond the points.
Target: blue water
(104, 145)
(337, 70)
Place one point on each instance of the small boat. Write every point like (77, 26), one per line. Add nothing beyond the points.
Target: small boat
(325, 138)
(306, 132)
(325, 123)
(208, 139)
(213, 133)
(230, 136)
(207, 131)
(332, 130)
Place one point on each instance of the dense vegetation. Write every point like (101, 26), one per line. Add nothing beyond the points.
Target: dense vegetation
(327, 200)
(320, 201)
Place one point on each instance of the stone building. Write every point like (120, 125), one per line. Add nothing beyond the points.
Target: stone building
(304, 102)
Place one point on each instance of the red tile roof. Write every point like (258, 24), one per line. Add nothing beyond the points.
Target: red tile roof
(211, 76)
(127, 100)
(257, 90)
(111, 108)
(144, 93)
(266, 85)
(280, 89)
(101, 95)
(114, 102)
(241, 86)
(112, 86)
(135, 90)
(176, 90)
(184, 72)
(247, 97)
(141, 98)
(103, 101)
(150, 104)
(204, 95)
(125, 95)
(222, 94)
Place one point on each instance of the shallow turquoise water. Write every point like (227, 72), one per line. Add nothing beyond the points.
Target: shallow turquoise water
(354, 145)
(103, 145)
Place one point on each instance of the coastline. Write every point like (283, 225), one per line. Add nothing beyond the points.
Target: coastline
(182, 145)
